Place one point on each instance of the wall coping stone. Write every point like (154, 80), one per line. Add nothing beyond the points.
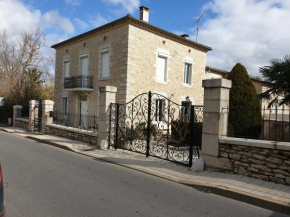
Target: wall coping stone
(17, 106)
(108, 89)
(22, 119)
(217, 83)
(72, 129)
(285, 146)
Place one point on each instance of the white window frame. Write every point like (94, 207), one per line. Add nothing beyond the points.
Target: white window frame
(190, 73)
(105, 48)
(164, 56)
(85, 55)
(65, 60)
(102, 52)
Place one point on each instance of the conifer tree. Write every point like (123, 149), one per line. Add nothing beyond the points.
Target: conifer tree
(245, 117)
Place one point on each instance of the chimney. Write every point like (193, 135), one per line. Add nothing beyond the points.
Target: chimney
(185, 36)
(144, 14)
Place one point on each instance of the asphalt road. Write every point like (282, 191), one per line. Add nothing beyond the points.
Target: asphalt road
(45, 181)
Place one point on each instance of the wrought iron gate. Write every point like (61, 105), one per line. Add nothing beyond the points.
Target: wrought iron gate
(154, 125)
(37, 118)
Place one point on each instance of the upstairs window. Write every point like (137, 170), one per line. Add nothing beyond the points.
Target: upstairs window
(66, 68)
(105, 63)
(187, 74)
(161, 68)
(84, 64)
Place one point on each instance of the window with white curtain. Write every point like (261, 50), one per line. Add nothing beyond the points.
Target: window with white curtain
(161, 74)
(105, 63)
(84, 65)
(66, 68)
(187, 74)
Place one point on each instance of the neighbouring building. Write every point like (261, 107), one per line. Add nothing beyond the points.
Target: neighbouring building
(260, 85)
(132, 55)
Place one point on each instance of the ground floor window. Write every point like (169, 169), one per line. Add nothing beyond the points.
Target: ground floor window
(65, 106)
(160, 106)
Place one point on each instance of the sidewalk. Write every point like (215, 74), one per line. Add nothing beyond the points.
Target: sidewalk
(261, 193)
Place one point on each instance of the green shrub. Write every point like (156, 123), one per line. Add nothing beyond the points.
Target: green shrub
(180, 133)
(245, 116)
(129, 134)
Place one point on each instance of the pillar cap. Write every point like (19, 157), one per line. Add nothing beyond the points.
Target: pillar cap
(108, 89)
(217, 83)
(17, 106)
(33, 102)
(47, 102)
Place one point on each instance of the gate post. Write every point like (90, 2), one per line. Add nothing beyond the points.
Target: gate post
(107, 96)
(191, 135)
(16, 111)
(47, 107)
(216, 97)
(148, 124)
(33, 112)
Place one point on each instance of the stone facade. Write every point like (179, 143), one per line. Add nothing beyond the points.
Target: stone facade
(117, 40)
(133, 49)
(72, 133)
(144, 47)
(22, 123)
(261, 163)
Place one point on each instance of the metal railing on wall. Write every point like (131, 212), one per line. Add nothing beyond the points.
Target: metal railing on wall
(81, 81)
(84, 122)
(264, 124)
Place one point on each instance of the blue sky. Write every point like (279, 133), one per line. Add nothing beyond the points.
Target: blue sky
(249, 31)
(170, 14)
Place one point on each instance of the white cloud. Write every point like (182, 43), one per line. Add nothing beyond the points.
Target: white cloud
(53, 19)
(74, 2)
(98, 20)
(127, 5)
(15, 17)
(251, 32)
(82, 25)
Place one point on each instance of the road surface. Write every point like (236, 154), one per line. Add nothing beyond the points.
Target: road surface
(45, 181)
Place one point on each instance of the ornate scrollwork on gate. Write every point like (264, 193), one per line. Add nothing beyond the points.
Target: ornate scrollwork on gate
(155, 125)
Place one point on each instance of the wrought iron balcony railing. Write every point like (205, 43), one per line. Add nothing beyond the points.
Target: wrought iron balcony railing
(77, 82)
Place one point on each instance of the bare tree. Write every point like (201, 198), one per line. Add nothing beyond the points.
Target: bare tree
(24, 73)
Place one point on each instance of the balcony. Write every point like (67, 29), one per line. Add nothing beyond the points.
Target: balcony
(81, 82)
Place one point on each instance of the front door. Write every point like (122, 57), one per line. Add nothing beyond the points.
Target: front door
(84, 112)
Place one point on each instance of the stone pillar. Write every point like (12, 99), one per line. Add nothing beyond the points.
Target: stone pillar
(33, 112)
(47, 107)
(215, 118)
(107, 96)
(15, 113)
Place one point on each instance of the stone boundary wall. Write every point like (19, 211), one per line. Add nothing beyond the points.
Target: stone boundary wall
(72, 133)
(22, 123)
(258, 159)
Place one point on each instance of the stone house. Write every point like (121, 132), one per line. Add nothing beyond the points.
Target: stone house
(131, 55)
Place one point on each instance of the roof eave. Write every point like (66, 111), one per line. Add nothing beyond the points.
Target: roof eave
(129, 17)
